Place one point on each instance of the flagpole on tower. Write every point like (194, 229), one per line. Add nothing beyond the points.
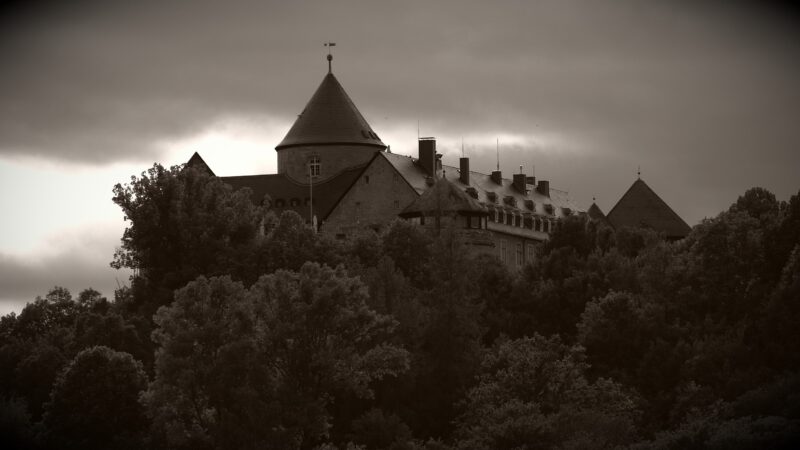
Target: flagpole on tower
(330, 57)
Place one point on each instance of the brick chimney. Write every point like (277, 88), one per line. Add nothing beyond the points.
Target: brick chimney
(464, 165)
(543, 188)
(497, 177)
(519, 183)
(427, 155)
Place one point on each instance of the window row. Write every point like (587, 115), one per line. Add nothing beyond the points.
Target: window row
(517, 220)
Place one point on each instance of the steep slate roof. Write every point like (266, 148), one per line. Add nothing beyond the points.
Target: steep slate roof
(444, 197)
(596, 214)
(197, 162)
(483, 184)
(330, 118)
(642, 207)
(560, 200)
(281, 187)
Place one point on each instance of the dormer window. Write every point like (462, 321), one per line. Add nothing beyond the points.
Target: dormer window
(510, 200)
(492, 197)
(313, 166)
(548, 209)
(472, 192)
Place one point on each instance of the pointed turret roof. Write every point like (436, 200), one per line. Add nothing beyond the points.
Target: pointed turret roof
(330, 117)
(197, 162)
(595, 213)
(444, 197)
(642, 207)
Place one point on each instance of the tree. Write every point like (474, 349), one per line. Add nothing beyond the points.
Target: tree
(94, 403)
(184, 222)
(409, 248)
(241, 368)
(532, 393)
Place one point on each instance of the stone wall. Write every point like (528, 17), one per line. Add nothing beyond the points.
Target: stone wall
(293, 161)
(379, 194)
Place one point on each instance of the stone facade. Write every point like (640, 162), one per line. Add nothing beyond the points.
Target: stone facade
(333, 159)
(374, 199)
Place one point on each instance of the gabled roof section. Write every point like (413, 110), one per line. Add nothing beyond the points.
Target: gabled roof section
(281, 187)
(330, 118)
(444, 197)
(642, 207)
(197, 162)
(595, 213)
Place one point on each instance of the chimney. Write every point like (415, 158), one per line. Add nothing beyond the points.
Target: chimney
(497, 177)
(427, 155)
(543, 188)
(464, 163)
(519, 183)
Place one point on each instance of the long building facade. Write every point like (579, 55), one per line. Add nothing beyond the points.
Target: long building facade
(336, 172)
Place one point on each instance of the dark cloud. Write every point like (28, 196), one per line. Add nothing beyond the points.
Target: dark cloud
(703, 95)
(77, 260)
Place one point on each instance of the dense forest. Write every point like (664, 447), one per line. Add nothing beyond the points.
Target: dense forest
(243, 329)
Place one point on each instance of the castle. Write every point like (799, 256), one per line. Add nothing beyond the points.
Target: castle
(335, 172)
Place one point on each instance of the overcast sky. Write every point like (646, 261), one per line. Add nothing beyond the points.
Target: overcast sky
(704, 96)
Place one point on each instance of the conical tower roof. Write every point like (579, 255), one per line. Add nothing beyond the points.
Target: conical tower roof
(444, 197)
(330, 118)
(595, 213)
(641, 207)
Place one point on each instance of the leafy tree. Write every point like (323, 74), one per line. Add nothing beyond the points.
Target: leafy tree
(94, 402)
(251, 368)
(184, 222)
(533, 393)
(613, 329)
(410, 249)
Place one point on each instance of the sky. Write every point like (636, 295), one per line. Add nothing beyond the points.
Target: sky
(703, 96)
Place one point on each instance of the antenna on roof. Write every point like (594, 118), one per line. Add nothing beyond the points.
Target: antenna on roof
(520, 169)
(498, 154)
(639, 172)
(330, 57)
(462, 146)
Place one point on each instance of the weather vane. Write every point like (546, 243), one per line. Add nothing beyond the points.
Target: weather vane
(330, 57)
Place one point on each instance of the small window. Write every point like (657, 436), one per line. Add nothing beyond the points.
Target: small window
(519, 254)
(280, 203)
(366, 179)
(517, 221)
(294, 202)
(501, 217)
(365, 134)
(397, 204)
(313, 166)
(509, 219)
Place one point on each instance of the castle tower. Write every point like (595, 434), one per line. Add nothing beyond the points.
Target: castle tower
(329, 136)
